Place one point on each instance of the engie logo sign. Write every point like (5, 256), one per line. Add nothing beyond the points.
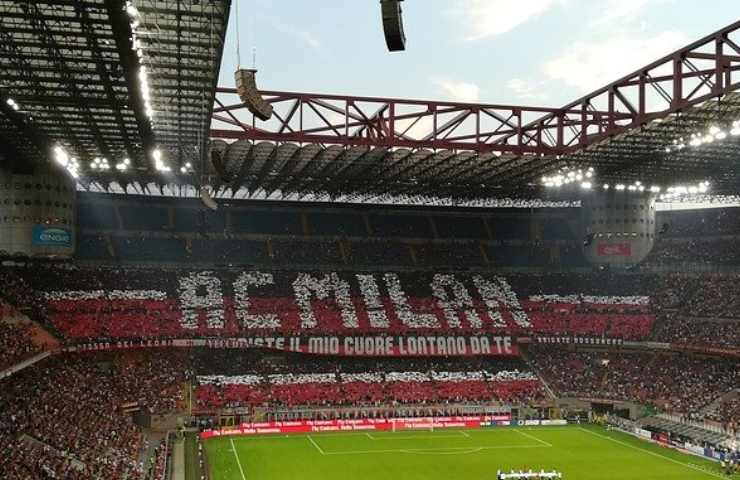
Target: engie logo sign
(51, 236)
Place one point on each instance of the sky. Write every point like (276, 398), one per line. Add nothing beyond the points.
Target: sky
(525, 52)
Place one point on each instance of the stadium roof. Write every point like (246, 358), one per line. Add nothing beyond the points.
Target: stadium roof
(71, 76)
(638, 128)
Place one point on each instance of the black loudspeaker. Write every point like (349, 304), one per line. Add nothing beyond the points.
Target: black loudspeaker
(664, 229)
(246, 87)
(217, 160)
(391, 12)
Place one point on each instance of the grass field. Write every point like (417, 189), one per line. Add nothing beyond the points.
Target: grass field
(579, 452)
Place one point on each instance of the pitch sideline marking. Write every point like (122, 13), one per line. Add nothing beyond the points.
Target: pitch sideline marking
(465, 434)
(316, 445)
(687, 465)
(534, 438)
(238, 462)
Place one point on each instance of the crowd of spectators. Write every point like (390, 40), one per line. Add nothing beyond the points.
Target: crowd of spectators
(113, 303)
(715, 251)
(675, 328)
(16, 343)
(700, 223)
(678, 383)
(64, 418)
(283, 381)
(157, 468)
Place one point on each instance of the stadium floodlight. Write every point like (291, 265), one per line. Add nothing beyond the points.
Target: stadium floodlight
(159, 164)
(69, 163)
(655, 189)
(606, 186)
(721, 135)
(586, 185)
(131, 10)
(619, 187)
(61, 156)
(12, 104)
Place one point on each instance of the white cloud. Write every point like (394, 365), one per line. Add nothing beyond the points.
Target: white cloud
(623, 10)
(592, 64)
(485, 18)
(459, 91)
(304, 37)
(526, 89)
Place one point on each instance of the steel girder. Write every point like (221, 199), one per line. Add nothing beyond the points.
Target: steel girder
(419, 147)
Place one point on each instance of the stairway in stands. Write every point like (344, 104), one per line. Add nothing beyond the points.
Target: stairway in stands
(550, 392)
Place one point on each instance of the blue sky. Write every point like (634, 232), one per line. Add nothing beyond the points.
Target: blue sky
(532, 52)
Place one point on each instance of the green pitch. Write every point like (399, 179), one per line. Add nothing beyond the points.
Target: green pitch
(580, 453)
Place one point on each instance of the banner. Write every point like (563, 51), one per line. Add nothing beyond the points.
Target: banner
(662, 438)
(641, 432)
(614, 249)
(566, 339)
(378, 346)
(365, 424)
(47, 236)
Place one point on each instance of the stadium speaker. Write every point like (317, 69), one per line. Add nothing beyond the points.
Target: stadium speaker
(664, 229)
(207, 200)
(391, 12)
(246, 87)
(217, 159)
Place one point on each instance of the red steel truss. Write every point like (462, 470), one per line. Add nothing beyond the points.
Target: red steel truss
(706, 69)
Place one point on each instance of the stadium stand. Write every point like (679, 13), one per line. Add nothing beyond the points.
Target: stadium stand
(64, 418)
(15, 343)
(238, 381)
(674, 382)
(115, 302)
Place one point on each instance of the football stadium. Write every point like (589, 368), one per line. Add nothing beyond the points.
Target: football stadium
(424, 240)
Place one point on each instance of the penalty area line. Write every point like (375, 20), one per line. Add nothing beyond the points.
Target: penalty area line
(316, 445)
(238, 462)
(532, 437)
(687, 465)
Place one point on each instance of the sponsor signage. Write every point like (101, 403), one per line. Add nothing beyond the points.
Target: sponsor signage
(46, 236)
(641, 432)
(614, 249)
(365, 424)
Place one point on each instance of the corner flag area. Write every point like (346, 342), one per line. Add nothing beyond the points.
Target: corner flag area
(579, 452)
